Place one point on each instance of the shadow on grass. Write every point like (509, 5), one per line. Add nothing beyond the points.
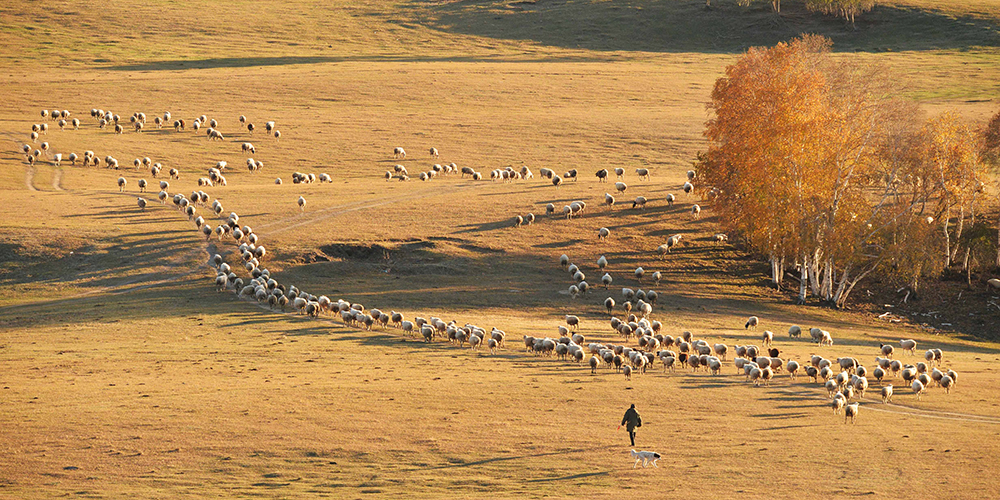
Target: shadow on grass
(505, 459)
(247, 62)
(688, 26)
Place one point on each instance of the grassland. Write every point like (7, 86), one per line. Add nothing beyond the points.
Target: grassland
(125, 374)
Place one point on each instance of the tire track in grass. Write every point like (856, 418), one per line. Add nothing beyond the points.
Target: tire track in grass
(57, 179)
(293, 222)
(29, 177)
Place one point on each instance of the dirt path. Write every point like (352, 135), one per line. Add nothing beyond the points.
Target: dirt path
(29, 177)
(57, 179)
(330, 212)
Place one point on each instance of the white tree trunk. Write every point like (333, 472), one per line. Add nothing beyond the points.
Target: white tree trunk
(828, 277)
(841, 286)
(947, 238)
(958, 234)
(814, 272)
(804, 280)
(776, 273)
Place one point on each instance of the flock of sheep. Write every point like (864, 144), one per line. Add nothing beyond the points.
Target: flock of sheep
(138, 121)
(759, 365)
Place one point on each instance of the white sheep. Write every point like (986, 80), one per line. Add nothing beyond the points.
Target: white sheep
(851, 411)
(825, 338)
(918, 388)
(398, 153)
(767, 338)
(752, 322)
(121, 184)
(695, 211)
(302, 204)
(142, 203)
(643, 173)
(887, 394)
(947, 382)
(603, 233)
(620, 187)
(908, 345)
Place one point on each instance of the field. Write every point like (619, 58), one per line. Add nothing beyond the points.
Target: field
(125, 373)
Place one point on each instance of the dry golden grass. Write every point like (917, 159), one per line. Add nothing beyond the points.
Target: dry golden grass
(126, 374)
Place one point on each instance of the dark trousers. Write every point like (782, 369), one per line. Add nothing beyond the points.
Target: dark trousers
(631, 436)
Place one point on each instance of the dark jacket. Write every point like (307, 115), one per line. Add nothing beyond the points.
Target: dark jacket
(631, 419)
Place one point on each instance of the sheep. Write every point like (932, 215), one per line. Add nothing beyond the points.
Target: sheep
(825, 338)
(627, 370)
(302, 203)
(602, 175)
(556, 181)
(861, 385)
(620, 172)
(639, 272)
(695, 211)
(908, 345)
(398, 153)
(792, 367)
(620, 187)
(794, 331)
(688, 187)
(751, 322)
(640, 202)
(121, 184)
(947, 382)
(606, 280)
(572, 321)
(721, 350)
(518, 220)
(838, 403)
(603, 233)
(643, 173)
(887, 394)
(766, 374)
(918, 388)
(767, 337)
(851, 411)
(571, 174)
(628, 294)
(142, 204)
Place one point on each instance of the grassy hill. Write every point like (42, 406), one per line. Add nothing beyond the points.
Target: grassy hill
(126, 374)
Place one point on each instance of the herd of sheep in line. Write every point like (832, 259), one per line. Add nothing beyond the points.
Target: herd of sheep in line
(214, 176)
(850, 383)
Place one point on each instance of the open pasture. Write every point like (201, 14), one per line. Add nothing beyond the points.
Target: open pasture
(125, 373)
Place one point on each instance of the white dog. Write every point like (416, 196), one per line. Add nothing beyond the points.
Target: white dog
(645, 457)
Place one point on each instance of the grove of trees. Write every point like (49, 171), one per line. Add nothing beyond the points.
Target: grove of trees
(815, 162)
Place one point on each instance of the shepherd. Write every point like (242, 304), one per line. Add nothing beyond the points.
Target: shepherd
(631, 420)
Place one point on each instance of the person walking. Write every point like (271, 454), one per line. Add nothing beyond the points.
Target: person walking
(631, 420)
